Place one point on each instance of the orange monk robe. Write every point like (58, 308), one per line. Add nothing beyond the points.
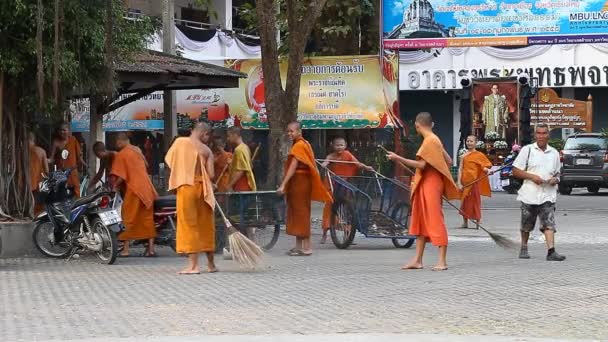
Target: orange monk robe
(74, 149)
(428, 187)
(241, 161)
(473, 164)
(38, 166)
(195, 199)
(220, 163)
(305, 186)
(343, 170)
(138, 203)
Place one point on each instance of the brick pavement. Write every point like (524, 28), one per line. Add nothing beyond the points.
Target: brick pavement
(487, 291)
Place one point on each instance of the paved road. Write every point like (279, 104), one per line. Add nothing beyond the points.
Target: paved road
(356, 293)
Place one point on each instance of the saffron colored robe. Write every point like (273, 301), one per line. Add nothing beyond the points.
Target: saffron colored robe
(74, 149)
(305, 186)
(241, 161)
(343, 170)
(473, 164)
(195, 199)
(38, 166)
(428, 187)
(220, 163)
(138, 203)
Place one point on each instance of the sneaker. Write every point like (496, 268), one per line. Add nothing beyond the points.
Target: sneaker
(555, 257)
(523, 253)
(226, 253)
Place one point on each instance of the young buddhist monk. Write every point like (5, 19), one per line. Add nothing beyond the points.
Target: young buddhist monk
(131, 178)
(65, 140)
(241, 173)
(39, 165)
(221, 164)
(431, 181)
(473, 165)
(343, 164)
(191, 165)
(301, 185)
(105, 164)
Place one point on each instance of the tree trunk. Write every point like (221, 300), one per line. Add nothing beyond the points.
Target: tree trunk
(109, 49)
(57, 51)
(39, 55)
(282, 104)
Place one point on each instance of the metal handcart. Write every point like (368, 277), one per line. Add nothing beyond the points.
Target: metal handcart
(257, 214)
(375, 206)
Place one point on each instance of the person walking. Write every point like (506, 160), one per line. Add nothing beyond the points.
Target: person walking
(473, 166)
(538, 165)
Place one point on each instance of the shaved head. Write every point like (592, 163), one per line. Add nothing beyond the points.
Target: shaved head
(295, 125)
(234, 130)
(122, 136)
(424, 119)
(201, 126)
(201, 131)
(99, 146)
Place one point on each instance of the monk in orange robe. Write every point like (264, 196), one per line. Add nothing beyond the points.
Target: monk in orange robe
(301, 185)
(432, 180)
(241, 172)
(65, 140)
(473, 165)
(221, 163)
(129, 168)
(191, 165)
(344, 164)
(105, 166)
(39, 165)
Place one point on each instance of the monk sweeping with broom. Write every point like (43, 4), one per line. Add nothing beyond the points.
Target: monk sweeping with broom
(301, 185)
(431, 182)
(191, 164)
(473, 166)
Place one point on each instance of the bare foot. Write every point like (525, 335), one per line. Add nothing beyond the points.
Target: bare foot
(440, 268)
(323, 239)
(212, 269)
(412, 266)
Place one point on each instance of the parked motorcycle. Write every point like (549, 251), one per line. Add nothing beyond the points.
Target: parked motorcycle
(509, 183)
(68, 226)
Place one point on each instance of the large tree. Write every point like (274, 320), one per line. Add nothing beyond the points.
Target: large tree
(282, 101)
(50, 50)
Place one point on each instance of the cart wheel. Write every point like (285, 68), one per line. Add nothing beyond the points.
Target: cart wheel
(265, 236)
(401, 213)
(343, 227)
(403, 243)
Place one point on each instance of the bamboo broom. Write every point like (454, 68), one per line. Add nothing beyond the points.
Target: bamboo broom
(244, 251)
(498, 239)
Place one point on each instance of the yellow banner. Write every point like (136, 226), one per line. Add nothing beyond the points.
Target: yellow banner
(335, 92)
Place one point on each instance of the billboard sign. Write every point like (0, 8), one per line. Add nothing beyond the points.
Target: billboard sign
(418, 24)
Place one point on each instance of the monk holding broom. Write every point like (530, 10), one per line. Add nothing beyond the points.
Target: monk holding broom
(343, 164)
(191, 165)
(301, 185)
(241, 173)
(221, 162)
(473, 166)
(431, 181)
(131, 176)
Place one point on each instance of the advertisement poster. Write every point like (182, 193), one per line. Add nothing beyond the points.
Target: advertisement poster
(558, 112)
(335, 92)
(415, 24)
(147, 113)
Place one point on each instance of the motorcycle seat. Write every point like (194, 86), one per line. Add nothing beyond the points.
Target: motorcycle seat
(88, 199)
(165, 202)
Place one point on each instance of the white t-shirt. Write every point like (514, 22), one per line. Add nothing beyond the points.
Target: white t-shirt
(544, 164)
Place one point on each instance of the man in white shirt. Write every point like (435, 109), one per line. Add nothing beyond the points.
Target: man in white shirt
(539, 166)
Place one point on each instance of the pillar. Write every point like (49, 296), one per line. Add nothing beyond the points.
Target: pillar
(95, 133)
(169, 103)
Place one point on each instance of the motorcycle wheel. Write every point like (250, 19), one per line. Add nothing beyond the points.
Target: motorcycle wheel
(109, 242)
(43, 239)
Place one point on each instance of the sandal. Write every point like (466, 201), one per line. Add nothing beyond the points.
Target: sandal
(120, 255)
(299, 253)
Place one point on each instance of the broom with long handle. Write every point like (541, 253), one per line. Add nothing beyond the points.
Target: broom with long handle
(500, 240)
(244, 251)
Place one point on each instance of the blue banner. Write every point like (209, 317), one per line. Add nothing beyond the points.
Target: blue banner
(121, 125)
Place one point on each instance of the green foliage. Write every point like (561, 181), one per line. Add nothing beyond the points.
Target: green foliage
(82, 51)
(604, 132)
(556, 143)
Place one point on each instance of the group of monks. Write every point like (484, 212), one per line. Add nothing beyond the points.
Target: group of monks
(197, 170)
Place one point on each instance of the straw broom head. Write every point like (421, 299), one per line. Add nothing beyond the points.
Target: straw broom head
(244, 251)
